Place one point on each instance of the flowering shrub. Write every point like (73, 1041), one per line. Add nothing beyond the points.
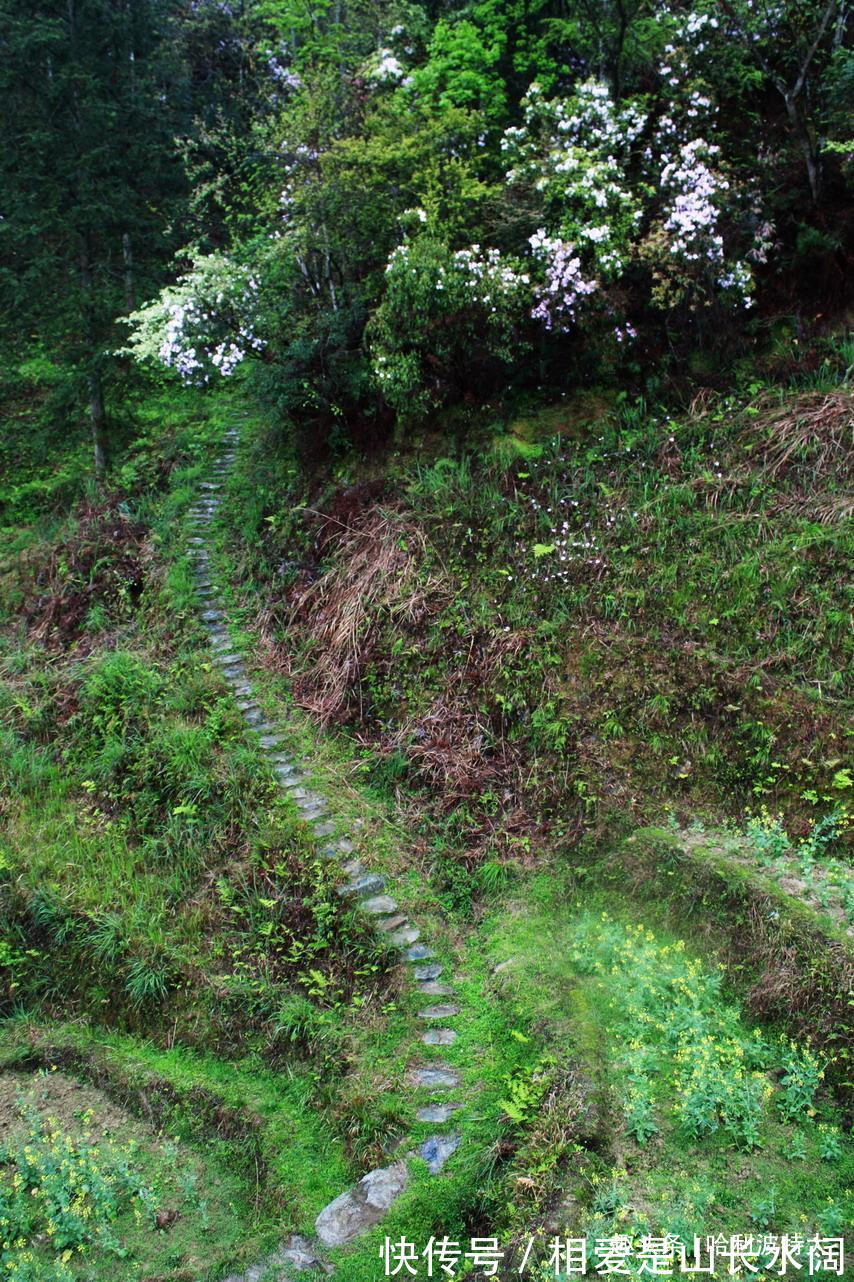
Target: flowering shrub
(63, 1195)
(608, 203)
(203, 324)
(677, 1029)
(442, 312)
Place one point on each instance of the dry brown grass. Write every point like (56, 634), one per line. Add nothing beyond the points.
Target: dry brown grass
(375, 575)
(817, 429)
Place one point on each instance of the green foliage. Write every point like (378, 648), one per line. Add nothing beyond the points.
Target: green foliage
(65, 1192)
(676, 1023)
(446, 318)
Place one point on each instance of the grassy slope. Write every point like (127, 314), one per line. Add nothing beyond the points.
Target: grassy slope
(153, 882)
(496, 701)
(684, 660)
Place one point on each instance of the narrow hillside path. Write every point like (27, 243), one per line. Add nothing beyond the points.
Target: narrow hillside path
(435, 1083)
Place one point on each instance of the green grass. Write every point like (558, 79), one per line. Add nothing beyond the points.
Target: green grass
(170, 933)
(267, 1160)
(648, 613)
(702, 1111)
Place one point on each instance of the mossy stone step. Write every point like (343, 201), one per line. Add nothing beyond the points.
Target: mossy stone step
(437, 1075)
(437, 1149)
(433, 989)
(362, 1206)
(418, 952)
(377, 905)
(439, 1037)
(370, 883)
(441, 1010)
(405, 936)
(437, 1112)
(392, 923)
(432, 970)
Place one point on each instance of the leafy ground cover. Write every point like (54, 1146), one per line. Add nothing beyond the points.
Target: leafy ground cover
(87, 1189)
(644, 615)
(706, 1123)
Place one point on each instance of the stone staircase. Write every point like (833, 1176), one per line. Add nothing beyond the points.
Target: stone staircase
(433, 1081)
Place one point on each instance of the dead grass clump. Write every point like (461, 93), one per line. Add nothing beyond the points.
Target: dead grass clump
(817, 429)
(375, 575)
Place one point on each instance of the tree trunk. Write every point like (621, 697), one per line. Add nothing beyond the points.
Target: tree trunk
(97, 416)
(812, 158)
(127, 256)
(99, 423)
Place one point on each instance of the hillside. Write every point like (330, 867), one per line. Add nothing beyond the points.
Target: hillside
(425, 548)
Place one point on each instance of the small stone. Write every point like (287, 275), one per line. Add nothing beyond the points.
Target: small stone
(361, 1207)
(440, 1075)
(439, 1037)
(419, 952)
(442, 1010)
(437, 1112)
(433, 989)
(432, 971)
(437, 1150)
(379, 904)
(406, 935)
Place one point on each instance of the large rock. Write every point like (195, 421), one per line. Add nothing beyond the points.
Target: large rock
(362, 1206)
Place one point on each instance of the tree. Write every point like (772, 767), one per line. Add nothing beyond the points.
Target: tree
(90, 178)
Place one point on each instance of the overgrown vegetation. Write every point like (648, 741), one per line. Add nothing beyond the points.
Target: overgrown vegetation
(531, 322)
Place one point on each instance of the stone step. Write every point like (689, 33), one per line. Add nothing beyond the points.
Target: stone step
(439, 1037)
(377, 905)
(441, 1010)
(405, 936)
(433, 989)
(269, 741)
(312, 814)
(437, 1112)
(392, 923)
(362, 1206)
(418, 952)
(325, 829)
(437, 1149)
(437, 1075)
(370, 883)
(431, 971)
